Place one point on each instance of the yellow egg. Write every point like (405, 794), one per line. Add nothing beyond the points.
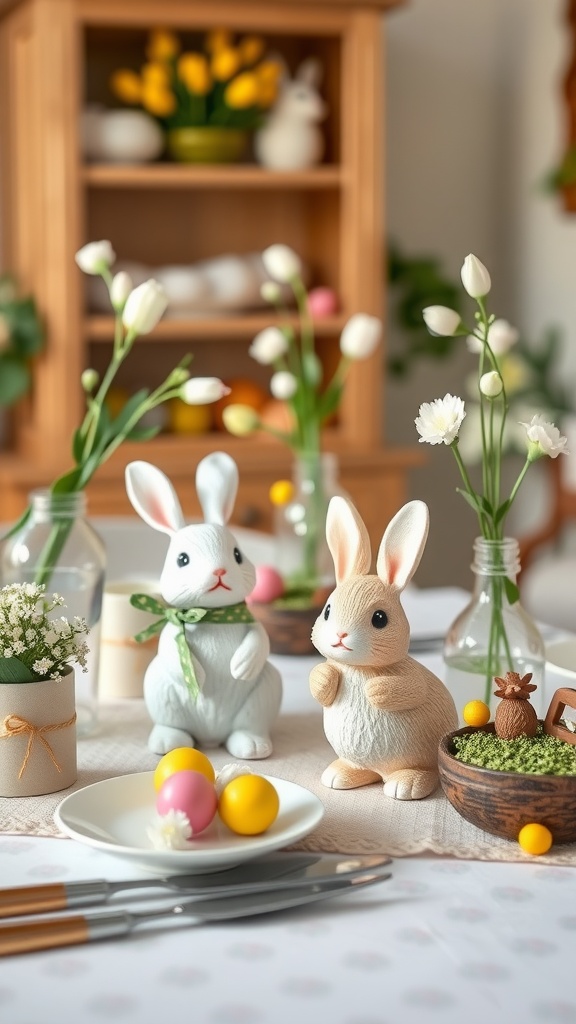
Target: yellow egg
(535, 839)
(476, 712)
(189, 419)
(248, 805)
(281, 492)
(182, 759)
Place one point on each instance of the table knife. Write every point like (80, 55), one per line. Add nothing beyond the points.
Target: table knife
(49, 933)
(283, 870)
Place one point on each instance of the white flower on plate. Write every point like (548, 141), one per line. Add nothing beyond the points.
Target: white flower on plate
(439, 421)
(544, 439)
(229, 772)
(170, 831)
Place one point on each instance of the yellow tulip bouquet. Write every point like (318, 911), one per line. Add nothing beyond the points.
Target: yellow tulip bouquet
(225, 83)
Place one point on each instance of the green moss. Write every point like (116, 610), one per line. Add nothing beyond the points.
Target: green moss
(538, 755)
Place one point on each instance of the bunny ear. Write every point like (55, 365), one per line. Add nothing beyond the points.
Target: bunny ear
(154, 497)
(348, 539)
(216, 485)
(309, 72)
(402, 544)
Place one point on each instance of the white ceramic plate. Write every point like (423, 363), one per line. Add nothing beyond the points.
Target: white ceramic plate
(561, 662)
(113, 816)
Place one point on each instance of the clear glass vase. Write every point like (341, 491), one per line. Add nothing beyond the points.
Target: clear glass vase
(303, 556)
(58, 547)
(494, 634)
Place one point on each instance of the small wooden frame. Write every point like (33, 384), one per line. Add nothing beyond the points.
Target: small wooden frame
(562, 698)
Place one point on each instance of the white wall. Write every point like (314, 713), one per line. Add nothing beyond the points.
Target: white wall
(474, 121)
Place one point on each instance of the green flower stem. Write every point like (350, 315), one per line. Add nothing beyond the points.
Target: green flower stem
(469, 489)
(52, 549)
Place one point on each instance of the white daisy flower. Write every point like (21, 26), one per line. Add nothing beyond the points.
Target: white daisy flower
(170, 831)
(439, 421)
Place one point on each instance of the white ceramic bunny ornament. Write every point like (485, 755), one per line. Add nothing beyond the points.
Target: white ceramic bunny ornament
(239, 690)
(384, 713)
(291, 139)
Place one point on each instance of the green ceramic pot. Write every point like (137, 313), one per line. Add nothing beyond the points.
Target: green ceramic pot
(207, 145)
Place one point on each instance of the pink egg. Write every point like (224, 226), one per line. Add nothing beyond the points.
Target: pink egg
(269, 585)
(192, 793)
(322, 302)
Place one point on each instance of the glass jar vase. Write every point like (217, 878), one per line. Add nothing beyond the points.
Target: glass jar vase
(303, 556)
(493, 635)
(58, 547)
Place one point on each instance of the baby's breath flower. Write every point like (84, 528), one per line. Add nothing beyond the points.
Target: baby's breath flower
(44, 646)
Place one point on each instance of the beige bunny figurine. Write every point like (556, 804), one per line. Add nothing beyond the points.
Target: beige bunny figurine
(384, 712)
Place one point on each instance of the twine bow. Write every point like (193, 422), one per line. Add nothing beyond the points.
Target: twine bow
(179, 617)
(15, 725)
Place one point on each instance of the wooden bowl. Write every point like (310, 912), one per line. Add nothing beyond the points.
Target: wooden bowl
(503, 802)
(289, 629)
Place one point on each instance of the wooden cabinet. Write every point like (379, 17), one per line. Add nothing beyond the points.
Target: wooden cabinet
(55, 56)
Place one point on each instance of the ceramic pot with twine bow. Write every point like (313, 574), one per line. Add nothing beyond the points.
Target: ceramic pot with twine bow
(37, 736)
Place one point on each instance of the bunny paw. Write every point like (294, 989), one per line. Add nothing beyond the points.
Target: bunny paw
(343, 775)
(248, 746)
(164, 738)
(411, 784)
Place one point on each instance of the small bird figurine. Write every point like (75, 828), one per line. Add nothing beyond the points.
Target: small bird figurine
(514, 715)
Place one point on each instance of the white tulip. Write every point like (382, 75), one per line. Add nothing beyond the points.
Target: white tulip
(501, 337)
(95, 257)
(544, 439)
(271, 292)
(202, 390)
(475, 277)
(120, 289)
(282, 263)
(439, 421)
(268, 346)
(360, 336)
(491, 384)
(441, 320)
(283, 385)
(144, 307)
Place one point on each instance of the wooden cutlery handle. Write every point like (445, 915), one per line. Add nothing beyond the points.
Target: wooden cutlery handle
(35, 935)
(32, 899)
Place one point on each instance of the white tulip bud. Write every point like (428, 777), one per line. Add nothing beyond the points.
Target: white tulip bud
(283, 385)
(144, 307)
(95, 257)
(203, 390)
(441, 320)
(360, 336)
(491, 384)
(268, 346)
(89, 380)
(120, 289)
(271, 292)
(475, 277)
(282, 263)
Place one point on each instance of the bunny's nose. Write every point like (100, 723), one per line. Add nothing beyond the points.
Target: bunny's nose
(341, 635)
(219, 572)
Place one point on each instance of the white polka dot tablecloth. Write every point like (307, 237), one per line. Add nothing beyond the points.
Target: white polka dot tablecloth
(447, 941)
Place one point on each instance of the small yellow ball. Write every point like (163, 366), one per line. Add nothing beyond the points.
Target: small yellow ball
(476, 713)
(535, 839)
(281, 492)
(248, 805)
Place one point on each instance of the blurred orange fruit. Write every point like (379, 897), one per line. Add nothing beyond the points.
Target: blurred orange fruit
(243, 391)
(278, 415)
(190, 419)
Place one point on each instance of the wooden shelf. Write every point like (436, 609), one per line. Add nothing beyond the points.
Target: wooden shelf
(217, 176)
(101, 328)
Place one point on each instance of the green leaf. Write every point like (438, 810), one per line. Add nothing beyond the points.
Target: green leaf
(512, 591)
(486, 505)
(14, 379)
(470, 499)
(329, 402)
(77, 444)
(311, 369)
(68, 482)
(26, 332)
(501, 512)
(143, 433)
(12, 670)
(18, 524)
(117, 425)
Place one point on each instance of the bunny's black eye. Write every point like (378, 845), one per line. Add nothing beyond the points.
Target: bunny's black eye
(379, 619)
(182, 560)
(327, 611)
(238, 556)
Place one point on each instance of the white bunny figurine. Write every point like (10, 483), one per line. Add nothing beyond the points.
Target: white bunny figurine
(239, 691)
(384, 713)
(291, 140)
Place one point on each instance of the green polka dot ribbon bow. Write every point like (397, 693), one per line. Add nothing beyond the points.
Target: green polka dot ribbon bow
(179, 617)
